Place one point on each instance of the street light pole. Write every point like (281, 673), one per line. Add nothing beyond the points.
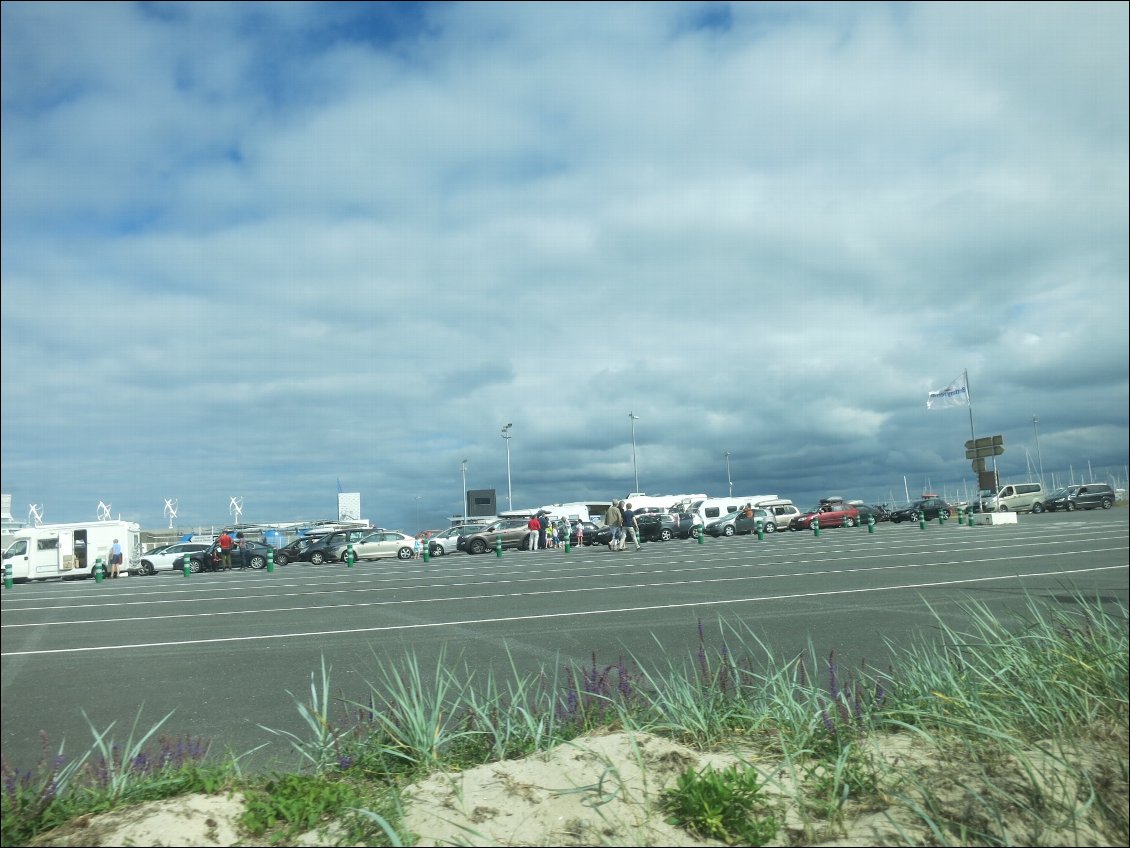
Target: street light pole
(1036, 427)
(635, 472)
(729, 482)
(509, 491)
(464, 463)
(418, 512)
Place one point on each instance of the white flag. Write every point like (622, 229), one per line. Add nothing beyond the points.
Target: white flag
(955, 394)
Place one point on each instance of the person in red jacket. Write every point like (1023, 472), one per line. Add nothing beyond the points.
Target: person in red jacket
(225, 543)
(534, 528)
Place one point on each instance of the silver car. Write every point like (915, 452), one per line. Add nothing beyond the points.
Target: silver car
(382, 543)
(448, 541)
(168, 557)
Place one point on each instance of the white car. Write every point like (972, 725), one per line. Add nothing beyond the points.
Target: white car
(166, 558)
(382, 543)
(448, 541)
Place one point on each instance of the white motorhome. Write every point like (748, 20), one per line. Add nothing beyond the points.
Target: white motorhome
(711, 509)
(71, 550)
(664, 503)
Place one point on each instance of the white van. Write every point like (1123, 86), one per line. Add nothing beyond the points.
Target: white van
(1020, 497)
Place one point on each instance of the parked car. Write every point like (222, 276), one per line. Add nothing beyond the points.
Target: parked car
(830, 512)
(588, 532)
(167, 557)
(739, 524)
(664, 526)
(879, 513)
(292, 551)
(447, 540)
(780, 514)
(926, 509)
(512, 531)
(1083, 496)
(379, 543)
(321, 548)
(254, 555)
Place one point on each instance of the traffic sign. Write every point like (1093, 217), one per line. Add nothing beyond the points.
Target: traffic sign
(987, 450)
(984, 442)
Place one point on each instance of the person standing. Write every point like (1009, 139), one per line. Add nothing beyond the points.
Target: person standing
(115, 558)
(631, 528)
(543, 525)
(225, 545)
(241, 544)
(533, 527)
(613, 519)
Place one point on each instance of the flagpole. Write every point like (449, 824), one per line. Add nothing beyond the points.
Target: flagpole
(973, 436)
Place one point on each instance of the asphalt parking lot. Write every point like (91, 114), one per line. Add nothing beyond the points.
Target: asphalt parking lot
(222, 651)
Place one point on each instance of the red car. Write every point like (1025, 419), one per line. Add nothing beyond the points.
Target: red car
(831, 512)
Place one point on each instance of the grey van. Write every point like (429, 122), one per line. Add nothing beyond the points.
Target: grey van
(1019, 497)
(1082, 496)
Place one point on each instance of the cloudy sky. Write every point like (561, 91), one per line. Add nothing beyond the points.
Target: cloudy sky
(266, 250)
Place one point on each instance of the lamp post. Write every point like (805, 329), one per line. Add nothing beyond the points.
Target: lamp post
(418, 512)
(1039, 455)
(509, 492)
(464, 464)
(729, 482)
(635, 473)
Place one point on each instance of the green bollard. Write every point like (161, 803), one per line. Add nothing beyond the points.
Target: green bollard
(498, 546)
(816, 528)
(98, 570)
(186, 565)
(942, 518)
(960, 516)
(271, 561)
(969, 516)
(871, 524)
(760, 532)
(8, 576)
(349, 555)
(566, 544)
(921, 521)
(427, 552)
(702, 534)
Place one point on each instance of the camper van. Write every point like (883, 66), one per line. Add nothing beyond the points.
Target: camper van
(71, 550)
(706, 510)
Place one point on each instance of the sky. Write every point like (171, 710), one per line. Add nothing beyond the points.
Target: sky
(277, 251)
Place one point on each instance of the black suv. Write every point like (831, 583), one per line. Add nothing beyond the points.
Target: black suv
(664, 526)
(1083, 496)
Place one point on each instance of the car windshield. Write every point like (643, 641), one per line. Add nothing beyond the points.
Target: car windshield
(1059, 493)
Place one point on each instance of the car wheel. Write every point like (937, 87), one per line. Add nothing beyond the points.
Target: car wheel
(665, 535)
(849, 522)
(1037, 508)
(770, 527)
(1071, 506)
(405, 553)
(728, 530)
(1002, 508)
(195, 566)
(896, 519)
(258, 562)
(317, 558)
(1107, 503)
(146, 568)
(437, 550)
(478, 546)
(281, 559)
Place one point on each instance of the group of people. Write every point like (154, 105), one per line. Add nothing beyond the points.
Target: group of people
(625, 526)
(222, 558)
(542, 533)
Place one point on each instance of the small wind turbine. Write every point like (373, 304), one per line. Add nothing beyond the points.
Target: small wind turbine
(103, 511)
(236, 509)
(35, 514)
(171, 510)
